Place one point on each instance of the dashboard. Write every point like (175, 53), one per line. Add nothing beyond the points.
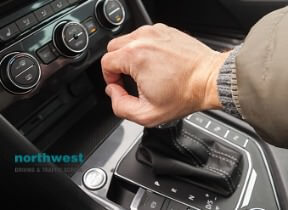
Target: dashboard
(53, 101)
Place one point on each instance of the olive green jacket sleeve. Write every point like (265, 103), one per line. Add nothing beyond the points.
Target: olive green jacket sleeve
(260, 82)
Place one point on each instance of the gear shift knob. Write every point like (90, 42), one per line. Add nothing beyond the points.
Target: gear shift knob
(172, 150)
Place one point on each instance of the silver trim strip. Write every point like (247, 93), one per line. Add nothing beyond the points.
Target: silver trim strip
(107, 204)
(137, 199)
(246, 143)
(250, 189)
(226, 134)
(269, 174)
(208, 124)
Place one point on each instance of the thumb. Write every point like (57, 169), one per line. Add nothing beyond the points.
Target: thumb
(123, 104)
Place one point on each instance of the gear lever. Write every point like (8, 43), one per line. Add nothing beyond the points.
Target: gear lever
(174, 151)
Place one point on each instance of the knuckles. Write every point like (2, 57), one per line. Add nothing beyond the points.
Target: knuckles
(110, 45)
(104, 61)
(150, 30)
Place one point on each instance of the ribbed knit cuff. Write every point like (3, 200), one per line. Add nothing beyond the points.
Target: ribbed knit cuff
(227, 85)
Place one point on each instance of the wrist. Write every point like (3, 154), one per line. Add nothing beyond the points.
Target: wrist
(211, 99)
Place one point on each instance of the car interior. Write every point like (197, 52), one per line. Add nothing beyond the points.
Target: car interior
(53, 101)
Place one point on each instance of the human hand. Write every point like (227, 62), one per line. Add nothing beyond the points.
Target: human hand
(175, 75)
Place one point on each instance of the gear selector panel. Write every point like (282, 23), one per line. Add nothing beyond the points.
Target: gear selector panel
(202, 164)
(183, 153)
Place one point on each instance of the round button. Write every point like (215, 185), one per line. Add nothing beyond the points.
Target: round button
(114, 12)
(94, 178)
(20, 72)
(24, 71)
(110, 13)
(70, 39)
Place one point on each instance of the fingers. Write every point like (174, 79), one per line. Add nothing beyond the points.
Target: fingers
(118, 43)
(123, 104)
(141, 32)
(113, 65)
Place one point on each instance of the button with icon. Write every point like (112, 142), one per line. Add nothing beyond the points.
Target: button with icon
(217, 129)
(151, 201)
(8, 32)
(59, 5)
(44, 12)
(26, 22)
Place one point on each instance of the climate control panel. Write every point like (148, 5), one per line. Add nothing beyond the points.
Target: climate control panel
(79, 34)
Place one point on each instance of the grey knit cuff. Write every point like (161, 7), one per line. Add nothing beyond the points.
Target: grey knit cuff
(226, 81)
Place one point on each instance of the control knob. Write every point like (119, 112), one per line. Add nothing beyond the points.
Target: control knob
(19, 72)
(70, 39)
(110, 13)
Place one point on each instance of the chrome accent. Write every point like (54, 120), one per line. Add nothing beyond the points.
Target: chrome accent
(137, 199)
(99, 176)
(107, 204)
(250, 189)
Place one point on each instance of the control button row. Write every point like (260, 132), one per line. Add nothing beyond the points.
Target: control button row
(218, 129)
(13, 29)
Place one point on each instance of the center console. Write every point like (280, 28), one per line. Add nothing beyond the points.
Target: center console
(52, 92)
(141, 187)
